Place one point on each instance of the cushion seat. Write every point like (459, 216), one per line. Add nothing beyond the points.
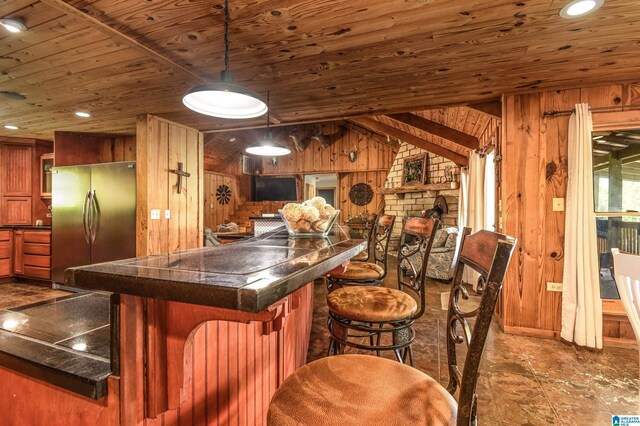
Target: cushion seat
(361, 271)
(371, 304)
(361, 390)
(360, 256)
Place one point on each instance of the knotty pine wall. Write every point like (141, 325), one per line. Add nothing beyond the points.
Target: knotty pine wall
(216, 213)
(161, 144)
(374, 159)
(534, 171)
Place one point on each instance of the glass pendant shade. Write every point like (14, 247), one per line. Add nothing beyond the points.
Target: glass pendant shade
(268, 147)
(225, 100)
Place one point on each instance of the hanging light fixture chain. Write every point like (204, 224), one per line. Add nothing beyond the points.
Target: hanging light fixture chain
(226, 35)
(268, 110)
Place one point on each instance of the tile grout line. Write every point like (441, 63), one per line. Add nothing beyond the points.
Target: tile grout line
(81, 334)
(546, 397)
(62, 348)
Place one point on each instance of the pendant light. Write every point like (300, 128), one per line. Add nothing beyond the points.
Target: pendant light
(225, 99)
(267, 146)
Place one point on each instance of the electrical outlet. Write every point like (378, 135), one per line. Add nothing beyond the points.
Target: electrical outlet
(167, 214)
(558, 204)
(155, 214)
(554, 286)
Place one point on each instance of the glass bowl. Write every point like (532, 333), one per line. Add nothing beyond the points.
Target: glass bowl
(308, 234)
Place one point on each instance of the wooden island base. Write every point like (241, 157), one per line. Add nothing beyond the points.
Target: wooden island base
(204, 366)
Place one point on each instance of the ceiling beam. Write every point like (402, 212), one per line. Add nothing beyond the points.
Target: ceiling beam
(370, 134)
(437, 129)
(379, 127)
(491, 108)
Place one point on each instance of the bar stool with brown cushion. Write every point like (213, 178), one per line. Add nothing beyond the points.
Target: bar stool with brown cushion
(374, 312)
(368, 273)
(369, 232)
(366, 390)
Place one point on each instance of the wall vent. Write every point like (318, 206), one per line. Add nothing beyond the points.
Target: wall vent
(248, 165)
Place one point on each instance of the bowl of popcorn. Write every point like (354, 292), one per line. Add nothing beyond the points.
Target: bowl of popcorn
(312, 218)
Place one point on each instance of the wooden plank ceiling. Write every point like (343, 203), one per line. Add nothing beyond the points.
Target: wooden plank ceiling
(320, 60)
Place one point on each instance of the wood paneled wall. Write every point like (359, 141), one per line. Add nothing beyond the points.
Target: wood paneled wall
(534, 171)
(374, 159)
(371, 155)
(73, 148)
(161, 144)
(216, 213)
(346, 180)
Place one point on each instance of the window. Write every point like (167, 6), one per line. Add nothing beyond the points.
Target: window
(616, 182)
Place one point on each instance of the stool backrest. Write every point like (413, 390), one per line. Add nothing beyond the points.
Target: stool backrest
(488, 253)
(413, 255)
(381, 239)
(369, 233)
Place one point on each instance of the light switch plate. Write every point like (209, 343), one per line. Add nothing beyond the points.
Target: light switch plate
(155, 214)
(551, 286)
(558, 204)
(167, 214)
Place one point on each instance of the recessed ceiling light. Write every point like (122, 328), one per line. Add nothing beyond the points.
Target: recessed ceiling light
(83, 114)
(232, 140)
(578, 8)
(13, 25)
(11, 127)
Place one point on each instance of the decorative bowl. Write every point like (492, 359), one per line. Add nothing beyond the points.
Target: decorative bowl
(309, 234)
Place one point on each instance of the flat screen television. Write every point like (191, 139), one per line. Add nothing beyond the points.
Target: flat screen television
(274, 188)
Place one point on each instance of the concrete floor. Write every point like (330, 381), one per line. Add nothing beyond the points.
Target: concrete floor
(523, 380)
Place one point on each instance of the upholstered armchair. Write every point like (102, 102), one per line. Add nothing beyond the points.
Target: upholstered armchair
(441, 260)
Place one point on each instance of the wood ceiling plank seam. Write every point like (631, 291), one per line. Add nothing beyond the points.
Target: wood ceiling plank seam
(53, 52)
(62, 29)
(61, 5)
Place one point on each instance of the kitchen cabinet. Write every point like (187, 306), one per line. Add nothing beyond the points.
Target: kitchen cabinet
(16, 169)
(31, 253)
(5, 253)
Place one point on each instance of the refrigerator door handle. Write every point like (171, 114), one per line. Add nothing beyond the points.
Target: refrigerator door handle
(84, 216)
(94, 221)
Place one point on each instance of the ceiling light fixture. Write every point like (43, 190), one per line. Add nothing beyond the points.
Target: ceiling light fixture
(267, 146)
(225, 99)
(82, 114)
(13, 25)
(579, 8)
(11, 127)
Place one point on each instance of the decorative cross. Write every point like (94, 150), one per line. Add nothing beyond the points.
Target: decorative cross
(180, 172)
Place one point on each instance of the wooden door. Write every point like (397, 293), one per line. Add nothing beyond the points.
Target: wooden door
(16, 169)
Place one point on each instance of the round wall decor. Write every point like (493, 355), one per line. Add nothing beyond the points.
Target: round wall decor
(361, 194)
(223, 194)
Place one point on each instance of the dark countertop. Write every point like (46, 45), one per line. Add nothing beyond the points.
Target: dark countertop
(33, 227)
(248, 275)
(276, 217)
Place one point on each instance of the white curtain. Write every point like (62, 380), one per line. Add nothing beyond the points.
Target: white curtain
(581, 304)
(475, 204)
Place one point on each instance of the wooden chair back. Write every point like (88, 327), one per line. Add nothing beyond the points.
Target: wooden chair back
(413, 256)
(489, 254)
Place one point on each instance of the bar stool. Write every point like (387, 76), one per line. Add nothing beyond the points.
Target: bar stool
(369, 232)
(367, 390)
(357, 311)
(368, 273)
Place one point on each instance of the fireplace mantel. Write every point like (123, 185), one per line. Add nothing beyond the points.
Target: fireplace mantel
(400, 191)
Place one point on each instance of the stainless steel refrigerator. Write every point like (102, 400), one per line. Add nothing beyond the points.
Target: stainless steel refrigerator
(93, 215)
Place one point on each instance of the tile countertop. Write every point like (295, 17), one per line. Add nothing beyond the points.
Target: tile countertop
(249, 275)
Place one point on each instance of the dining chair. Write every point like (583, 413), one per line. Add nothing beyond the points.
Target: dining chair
(367, 273)
(366, 390)
(373, 312)
(626, 269)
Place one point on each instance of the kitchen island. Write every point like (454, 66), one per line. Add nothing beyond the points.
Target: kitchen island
(199, 336)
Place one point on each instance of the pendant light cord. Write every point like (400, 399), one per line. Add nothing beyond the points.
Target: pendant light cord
(268, 111)
(226, 35)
